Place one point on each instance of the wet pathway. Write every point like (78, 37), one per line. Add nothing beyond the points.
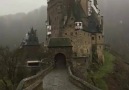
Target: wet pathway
(58, 79)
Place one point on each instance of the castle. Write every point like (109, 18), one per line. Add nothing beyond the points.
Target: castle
(81, 23)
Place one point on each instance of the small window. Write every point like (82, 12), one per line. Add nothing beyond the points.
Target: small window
(71, 33)
(93, 38)
(72, 18)
(99, 37)
(65, 33)
(76, 24)
(76, 33)
(80, 24)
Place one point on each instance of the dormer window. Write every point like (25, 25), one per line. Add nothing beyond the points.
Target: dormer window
(49, 33)
(78, 25)
(49, 27)
(49, 30)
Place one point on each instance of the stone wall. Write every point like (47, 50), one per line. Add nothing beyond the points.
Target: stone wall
(81, 41)
(55, 16)
(98, 40)
(80, 65)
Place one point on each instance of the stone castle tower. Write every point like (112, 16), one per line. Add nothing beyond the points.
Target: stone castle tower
(80, 21)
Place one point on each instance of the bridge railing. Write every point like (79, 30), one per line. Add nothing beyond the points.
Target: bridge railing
(80, 83)
(34, 82)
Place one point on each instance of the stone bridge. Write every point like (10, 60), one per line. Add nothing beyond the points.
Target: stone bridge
(56, 77)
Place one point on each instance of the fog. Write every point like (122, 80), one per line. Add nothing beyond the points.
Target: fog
(16, 6)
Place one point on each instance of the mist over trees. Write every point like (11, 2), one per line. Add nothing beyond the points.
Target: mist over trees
(14, 27)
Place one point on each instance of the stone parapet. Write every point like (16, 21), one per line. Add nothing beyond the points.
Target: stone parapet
(34, 82)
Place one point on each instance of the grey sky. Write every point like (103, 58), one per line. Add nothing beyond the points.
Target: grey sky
(15, 6)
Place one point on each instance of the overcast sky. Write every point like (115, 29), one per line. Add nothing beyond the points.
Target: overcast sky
(15, 6)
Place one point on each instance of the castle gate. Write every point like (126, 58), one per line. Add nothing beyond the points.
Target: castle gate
(60, 60)
(60, 50)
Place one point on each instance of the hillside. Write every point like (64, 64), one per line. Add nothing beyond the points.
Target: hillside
(14, 27)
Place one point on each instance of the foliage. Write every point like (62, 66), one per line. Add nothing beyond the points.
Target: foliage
(97, 75)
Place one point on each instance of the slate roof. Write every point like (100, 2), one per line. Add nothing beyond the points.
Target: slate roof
(93, 23)
(79, 15)
(78, 11)
(59, 42)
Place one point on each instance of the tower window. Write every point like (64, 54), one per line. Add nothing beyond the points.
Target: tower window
(93, 38)
(76, 33)
(72, 19)
(71, 33)
(99, 37)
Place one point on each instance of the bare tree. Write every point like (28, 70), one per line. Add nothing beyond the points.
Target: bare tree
(8, 67)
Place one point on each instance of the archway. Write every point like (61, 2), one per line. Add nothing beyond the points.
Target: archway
(60, 60)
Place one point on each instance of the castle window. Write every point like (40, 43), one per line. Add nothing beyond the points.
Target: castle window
(76, 33)
(71, 33)
(65, 33)
(99, 37)
(49, 33)
(93, 38)
(48, 27)
(72, 18)
(78, 25)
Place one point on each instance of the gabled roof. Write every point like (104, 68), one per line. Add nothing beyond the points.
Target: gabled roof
(59, 42)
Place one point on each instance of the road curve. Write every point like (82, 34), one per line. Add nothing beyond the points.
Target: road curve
(58, 79)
